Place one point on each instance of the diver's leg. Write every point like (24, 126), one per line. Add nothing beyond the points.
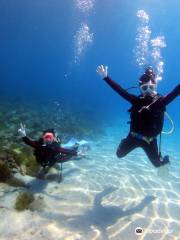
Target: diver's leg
(151, 151)
(42, 172)
(127, 145)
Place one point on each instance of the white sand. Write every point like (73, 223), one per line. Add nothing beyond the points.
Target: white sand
(100, 197)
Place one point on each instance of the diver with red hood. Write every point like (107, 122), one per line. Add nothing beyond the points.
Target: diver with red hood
(146, 114)
(47, 149)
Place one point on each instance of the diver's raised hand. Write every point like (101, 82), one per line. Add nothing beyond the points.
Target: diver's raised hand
(102, 71)
(22, 130)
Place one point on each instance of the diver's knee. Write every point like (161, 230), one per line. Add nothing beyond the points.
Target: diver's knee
(119, 153)
(156, 164)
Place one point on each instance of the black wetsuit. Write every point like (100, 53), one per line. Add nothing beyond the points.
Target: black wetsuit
(48, 155)
(144, 122)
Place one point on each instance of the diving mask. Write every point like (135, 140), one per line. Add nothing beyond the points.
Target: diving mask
(148, 88)
(48, 137)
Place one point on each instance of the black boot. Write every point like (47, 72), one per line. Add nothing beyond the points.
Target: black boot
(165, 160)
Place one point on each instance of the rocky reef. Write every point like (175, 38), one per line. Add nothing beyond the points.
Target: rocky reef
(23, 201)
(15, 156)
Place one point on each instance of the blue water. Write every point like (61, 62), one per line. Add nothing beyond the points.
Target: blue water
(37, 47)
(38, 63)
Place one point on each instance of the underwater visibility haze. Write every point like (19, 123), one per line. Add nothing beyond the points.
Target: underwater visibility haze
(49, 53)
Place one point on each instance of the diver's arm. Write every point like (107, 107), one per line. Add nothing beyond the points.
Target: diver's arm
(172, 95)
(30, 142)
(103, 72)
(22, 133)
(71, 152)
(121, 91)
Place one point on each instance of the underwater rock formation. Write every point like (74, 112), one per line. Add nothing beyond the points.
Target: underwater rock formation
(15, 156)
(23, 201)
(5, 172)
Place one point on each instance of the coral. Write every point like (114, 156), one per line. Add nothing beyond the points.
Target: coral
(19, 157)
(23, 201)
(32, 167)
(20, 160)
(5, 172)
(8, 158)
(15, 156)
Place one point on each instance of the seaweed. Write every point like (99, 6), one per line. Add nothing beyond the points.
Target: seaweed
(5, 171)
(65, 118)
(23, 201)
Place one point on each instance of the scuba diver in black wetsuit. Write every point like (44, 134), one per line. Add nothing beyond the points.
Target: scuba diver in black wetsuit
(146, 113)
(47, 149)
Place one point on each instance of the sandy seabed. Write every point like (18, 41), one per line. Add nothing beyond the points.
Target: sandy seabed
(100, 197)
